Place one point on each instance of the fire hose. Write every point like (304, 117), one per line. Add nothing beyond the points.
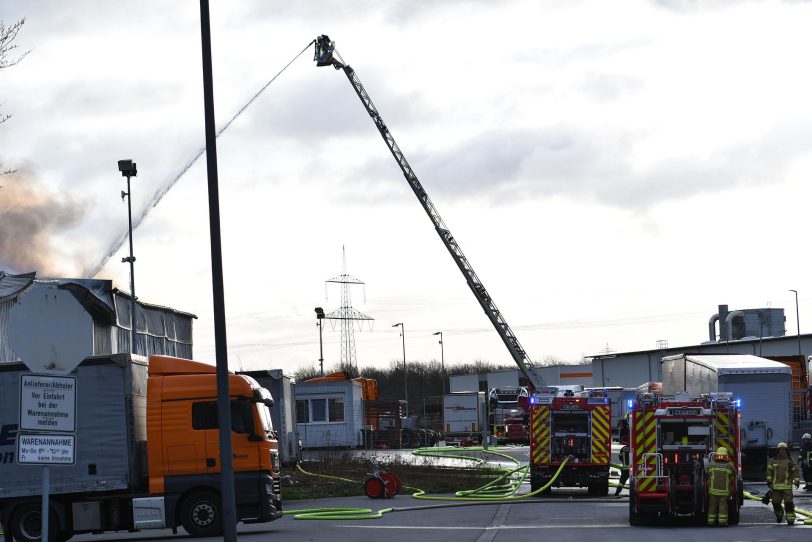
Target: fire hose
(503, 488)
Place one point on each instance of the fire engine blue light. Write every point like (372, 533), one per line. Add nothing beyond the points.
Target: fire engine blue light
(738, 403)
(534, 400)
(630, 404)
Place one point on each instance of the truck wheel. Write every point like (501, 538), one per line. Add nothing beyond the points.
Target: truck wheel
(733, 512)
(634, 517)
(201, 514)
(26, 524)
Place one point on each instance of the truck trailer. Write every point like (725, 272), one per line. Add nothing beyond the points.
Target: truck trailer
(464, 416)
(146, 451)
(761, 387)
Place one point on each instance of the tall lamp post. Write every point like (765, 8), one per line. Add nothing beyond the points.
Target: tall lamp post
(442, 357)
(128, 169)
(797, 322)
(405, 379)
(319, 318)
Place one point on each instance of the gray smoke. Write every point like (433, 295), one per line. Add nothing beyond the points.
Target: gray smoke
(30, 217)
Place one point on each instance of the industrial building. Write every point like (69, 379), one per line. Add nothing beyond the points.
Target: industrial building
(102, 322)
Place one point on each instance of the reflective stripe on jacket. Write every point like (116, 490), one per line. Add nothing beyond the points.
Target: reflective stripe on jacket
(781, 473)
(720, 478)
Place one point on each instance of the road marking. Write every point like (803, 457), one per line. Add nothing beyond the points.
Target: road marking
(492, 530)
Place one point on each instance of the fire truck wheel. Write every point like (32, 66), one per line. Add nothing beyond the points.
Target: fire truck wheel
(634, 517)
(201, 514)
(732, 512)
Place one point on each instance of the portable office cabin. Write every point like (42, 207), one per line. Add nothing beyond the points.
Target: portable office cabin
(330, 414)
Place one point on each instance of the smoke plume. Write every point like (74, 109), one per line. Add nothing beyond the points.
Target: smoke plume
(30, 218)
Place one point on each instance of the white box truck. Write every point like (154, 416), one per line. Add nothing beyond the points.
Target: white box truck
(762, 387)
(464, 416)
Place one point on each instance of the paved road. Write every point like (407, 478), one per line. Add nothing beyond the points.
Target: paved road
(583, 519)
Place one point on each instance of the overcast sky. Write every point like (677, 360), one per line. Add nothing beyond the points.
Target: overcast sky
(612, 170)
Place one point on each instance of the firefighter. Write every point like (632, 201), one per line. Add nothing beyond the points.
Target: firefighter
(623, 455)
(805, 460)
(782, 474)
(720, 485)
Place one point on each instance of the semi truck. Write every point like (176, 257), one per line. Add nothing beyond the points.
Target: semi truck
(283, 412)
(672, 439)
(146, 451)
(464, 416)
(573, 426)
(762, 387)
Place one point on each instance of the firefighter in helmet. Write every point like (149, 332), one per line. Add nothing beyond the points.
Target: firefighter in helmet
(720, 486)
(782, 474)
(805, 460)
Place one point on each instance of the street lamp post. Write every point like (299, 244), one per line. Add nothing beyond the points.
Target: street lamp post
(319, 318)
(405, 378)
(128, 169)
(442, 357)
(798, 323)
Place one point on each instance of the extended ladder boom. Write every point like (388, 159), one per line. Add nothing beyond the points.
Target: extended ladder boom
(324, 57)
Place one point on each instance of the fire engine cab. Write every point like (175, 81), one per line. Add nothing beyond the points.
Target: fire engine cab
(672, 440)
(575, 426)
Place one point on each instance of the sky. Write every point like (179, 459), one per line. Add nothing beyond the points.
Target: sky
(613, 171)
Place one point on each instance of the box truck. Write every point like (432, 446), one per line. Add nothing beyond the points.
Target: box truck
(146, 451)
(464, 416)
(761, 387)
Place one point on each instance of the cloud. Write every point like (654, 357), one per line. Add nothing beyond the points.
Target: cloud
(30, 217)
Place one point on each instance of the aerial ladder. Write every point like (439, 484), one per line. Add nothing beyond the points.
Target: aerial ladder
(325, 55)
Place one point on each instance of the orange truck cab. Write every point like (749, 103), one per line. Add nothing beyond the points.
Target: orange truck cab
(146, 451)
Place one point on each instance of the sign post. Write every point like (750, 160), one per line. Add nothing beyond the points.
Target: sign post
(47, 428)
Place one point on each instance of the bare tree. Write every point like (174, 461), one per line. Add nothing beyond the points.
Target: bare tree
(9, 56)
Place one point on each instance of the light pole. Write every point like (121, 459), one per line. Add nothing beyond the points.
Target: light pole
(405, 379)
(128, 169)
(798, 323)
(319, 318)
(442, 357)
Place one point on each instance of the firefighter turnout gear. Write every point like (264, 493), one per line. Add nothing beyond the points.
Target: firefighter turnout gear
(782, 474)
(623, 455)
(720, 486)
(805, 460)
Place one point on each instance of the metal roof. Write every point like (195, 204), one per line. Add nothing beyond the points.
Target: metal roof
(12, 286)
(735, 363)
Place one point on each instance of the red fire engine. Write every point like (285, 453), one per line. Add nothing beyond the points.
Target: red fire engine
(575, 426)
(672, 440)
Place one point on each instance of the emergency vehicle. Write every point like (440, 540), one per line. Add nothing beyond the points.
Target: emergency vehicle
(508, 414)
(672, 439)
(566, 424)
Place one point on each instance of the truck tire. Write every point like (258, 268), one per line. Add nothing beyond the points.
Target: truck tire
(733, 512)
(201, 514)
(26, 524)
(635, 518)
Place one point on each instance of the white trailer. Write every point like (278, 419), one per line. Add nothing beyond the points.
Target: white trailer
(762, 387)
(464, 415)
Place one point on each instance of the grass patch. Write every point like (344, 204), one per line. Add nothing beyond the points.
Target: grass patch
(423, 474)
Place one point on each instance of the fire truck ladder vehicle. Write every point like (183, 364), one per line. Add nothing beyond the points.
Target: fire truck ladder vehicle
(672, 439)
(570, 425)
(325, 55)
(509, 414)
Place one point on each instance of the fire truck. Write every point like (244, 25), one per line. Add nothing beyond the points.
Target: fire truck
(509, 414)
(574, 425)
(672, 439)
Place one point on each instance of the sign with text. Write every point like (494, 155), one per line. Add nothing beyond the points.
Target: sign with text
(46, 449)
(47, 403)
